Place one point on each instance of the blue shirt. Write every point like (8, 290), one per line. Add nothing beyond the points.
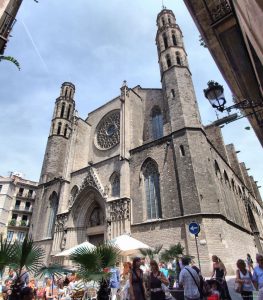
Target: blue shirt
(258, 276)
(115, 278)
(165, 272)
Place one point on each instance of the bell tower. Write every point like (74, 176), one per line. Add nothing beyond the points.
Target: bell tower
(175, 74)
(60, 132)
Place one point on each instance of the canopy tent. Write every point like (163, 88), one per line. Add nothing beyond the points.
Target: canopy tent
(69, 251)
(128, 245)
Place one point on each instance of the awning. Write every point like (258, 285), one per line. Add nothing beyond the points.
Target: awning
(128, 245)
(69, 251)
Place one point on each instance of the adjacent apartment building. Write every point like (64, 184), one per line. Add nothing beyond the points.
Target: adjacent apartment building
(8, 11)
(17, 197)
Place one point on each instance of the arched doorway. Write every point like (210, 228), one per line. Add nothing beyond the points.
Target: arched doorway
(88, 213)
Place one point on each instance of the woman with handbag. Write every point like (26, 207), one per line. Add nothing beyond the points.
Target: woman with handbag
(244, 284)
(157, 282)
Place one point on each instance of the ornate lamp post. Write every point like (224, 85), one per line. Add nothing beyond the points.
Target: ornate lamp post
(215, 94)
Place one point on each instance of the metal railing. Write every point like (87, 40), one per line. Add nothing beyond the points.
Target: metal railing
(7, 24)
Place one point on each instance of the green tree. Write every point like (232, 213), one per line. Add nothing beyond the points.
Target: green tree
(94, 264)
(173, 253)
(151, 252)
(11, 59)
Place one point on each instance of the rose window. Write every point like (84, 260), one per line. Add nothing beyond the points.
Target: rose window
(108, 131)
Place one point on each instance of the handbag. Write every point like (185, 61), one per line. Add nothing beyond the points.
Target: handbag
(238, 287)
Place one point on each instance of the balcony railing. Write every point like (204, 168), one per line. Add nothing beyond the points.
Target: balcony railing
(6, 25)
(28, 196)
(24, 208)
(20, 223)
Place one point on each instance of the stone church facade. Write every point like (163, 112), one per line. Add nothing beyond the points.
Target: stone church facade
(144, 164)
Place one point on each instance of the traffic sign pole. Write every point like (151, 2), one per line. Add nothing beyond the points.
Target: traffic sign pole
(197, 252)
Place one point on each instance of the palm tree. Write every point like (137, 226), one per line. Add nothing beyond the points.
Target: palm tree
(151, 252)
(174, 252)
(94, 264)
(7, 253)
(11, 59)
(52, 271)
(27, 257)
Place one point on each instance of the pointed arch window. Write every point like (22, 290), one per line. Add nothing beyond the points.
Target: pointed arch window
(178, 58)
(174, 39)
(59, 128)
(163, 22)
(73, 194)
(152, 190)
(226, 178)
(115, 185)
(69, 109)
(52, 214)
(217, 170)
(96, 217)
(66, 130)
(168, 61)
(165, 41)
(169, 20)
(157, 123)
(62, 110)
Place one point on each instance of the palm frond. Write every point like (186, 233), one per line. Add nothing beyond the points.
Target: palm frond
(86, 258)
(108, 254)
(173, 252)
(7, 253)
(11, 59)
(51, 270)
(28, 255)
(157, 249)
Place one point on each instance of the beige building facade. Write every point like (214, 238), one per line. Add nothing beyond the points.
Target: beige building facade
(17, 197)
(144, 164)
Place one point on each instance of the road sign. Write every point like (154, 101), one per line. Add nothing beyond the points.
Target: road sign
(194, 228)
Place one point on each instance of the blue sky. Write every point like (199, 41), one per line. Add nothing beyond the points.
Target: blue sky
(96, 45)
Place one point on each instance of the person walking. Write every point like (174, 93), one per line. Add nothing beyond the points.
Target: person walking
(258, 273)
(189, 280)
(244, 279)
(137, 289)
(114, 282)
(219, 273)
(156, 279)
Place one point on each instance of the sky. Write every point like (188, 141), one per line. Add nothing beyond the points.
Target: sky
(95, 45)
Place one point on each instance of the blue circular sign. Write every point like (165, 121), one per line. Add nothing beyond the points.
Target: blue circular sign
(194, 228)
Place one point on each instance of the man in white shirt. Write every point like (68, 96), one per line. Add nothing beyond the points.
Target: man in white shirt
(190, 280)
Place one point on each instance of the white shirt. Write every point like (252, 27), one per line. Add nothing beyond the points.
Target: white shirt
(190, 287)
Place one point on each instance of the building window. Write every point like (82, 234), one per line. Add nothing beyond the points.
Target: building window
(20, 192)
(173, 93)
(152, 190)
(1, 187)
(73, 194)
(52, 215)
(168, 61)
(62, 110)
(157, 123)
(169, 20)
(165, 41)
(174, 40)
(115, 184)
(59, 128)
(182, 150)
(96, 217)
(17, 205)
(163, 21)
(66, 130)
(14, 216)
(69, 109)
(178, 59)
(27, 206)
(30, 193)
(10, 236)
(20, 236)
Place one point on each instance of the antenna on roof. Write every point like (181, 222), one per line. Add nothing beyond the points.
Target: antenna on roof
(163, 7)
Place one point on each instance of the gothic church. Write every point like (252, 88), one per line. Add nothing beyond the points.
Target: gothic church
(144, 164)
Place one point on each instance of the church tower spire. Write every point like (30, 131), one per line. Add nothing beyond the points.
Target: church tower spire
(175, 74)
(59, 136)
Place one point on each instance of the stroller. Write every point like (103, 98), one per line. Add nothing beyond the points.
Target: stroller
(215, 290)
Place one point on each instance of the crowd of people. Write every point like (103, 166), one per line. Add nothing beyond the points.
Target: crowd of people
(141, 280)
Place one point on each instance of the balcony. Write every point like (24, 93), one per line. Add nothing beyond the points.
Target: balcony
(6, 25)
(21, 223)
(23, 208)
(25, 196)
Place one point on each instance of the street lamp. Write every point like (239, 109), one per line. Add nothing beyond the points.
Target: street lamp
(215, 94)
